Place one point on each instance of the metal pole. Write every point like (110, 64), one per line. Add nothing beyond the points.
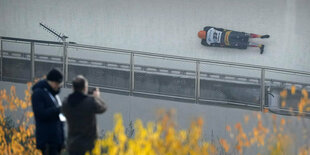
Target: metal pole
(197, 82)
(262, 87)
(32, 59)
(65, 63)
(1, 50)
(132, 74)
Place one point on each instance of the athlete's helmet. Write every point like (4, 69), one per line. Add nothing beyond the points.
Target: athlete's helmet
(202, 34)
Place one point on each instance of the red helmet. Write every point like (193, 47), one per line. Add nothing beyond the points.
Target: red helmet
(202, 34)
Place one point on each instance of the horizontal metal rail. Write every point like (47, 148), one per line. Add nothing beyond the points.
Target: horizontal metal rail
(191, 59)
(33, 40)
(164, 95)
(162, 55)
(293, 112)
(195, 74)
(148, 69)
(246, 104)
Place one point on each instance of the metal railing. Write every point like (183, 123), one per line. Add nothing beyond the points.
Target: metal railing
(132, 67)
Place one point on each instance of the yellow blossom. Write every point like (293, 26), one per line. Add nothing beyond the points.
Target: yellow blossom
(293, 90)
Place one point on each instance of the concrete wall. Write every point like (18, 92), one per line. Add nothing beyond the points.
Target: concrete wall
(215, 118)
(169, 26)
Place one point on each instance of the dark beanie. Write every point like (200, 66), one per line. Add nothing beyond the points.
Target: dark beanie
(54, 75)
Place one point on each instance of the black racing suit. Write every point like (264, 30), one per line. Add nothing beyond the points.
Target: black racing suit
(228, 38)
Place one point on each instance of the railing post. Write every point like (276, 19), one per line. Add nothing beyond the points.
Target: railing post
(132, 74)
(1, 50)
(197, 82)
(262, 87)
(32, 59)
(65, 63)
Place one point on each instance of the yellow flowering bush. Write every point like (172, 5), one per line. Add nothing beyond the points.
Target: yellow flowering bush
(154, 138)
(16, 131)
(163, 136)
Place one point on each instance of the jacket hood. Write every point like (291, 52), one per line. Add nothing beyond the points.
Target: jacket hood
(43, 84)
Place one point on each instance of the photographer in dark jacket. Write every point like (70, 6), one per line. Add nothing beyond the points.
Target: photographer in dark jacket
(80, 110)
(46, 107)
